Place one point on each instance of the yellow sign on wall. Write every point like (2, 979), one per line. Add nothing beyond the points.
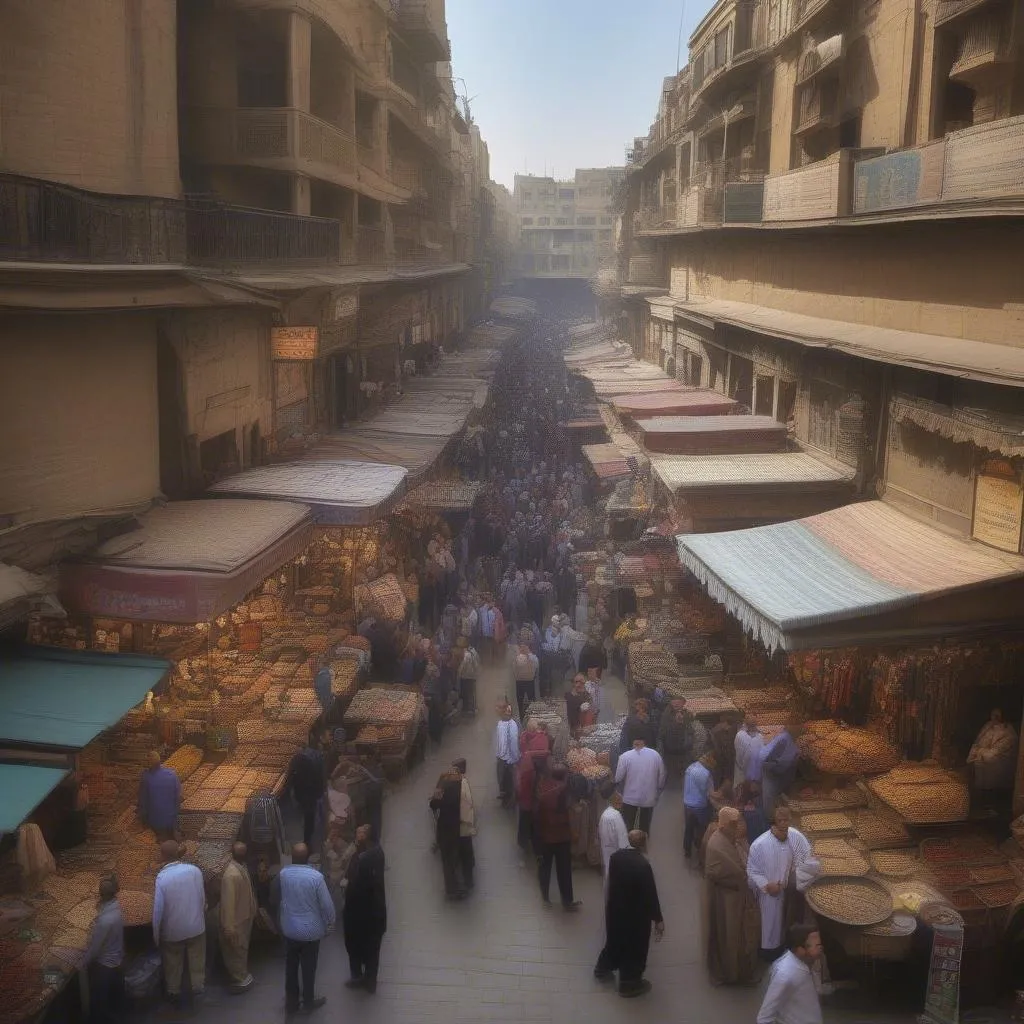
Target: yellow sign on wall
(294, 343)
(998, 507)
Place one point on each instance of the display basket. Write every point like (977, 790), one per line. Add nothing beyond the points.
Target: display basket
(851, 901)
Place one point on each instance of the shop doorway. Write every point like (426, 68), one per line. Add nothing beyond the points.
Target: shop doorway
(340, 413)
(741, 380)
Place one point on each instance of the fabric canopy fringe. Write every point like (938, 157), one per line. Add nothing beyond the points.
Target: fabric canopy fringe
(963, 426)
(753, 622)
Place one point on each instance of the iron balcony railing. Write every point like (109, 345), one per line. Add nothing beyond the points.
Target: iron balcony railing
(49, 222)
(227, 235)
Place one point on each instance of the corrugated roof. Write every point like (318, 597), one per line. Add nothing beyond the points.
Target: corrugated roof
(695, 472)
(710, 424)
(64, 699)
(341, 491)
(417, 454)
(850, 563)
(23, 788)
(606, 460)
(696, 401)
(958, 357)
(212, 535)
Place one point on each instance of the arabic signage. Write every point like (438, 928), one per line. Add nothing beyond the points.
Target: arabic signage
(294, 343)
(998, 506)
(942, 995)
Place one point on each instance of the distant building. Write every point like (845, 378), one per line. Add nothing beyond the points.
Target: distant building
(566, 228)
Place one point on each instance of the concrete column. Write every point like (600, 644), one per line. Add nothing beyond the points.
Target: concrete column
(301, 200)
(380, 135)
(299, 55)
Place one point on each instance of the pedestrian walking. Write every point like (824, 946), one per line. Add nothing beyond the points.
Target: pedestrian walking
(507, 755)
(307, 783)
(305, 913)
(611, 830)
(730, 915)
(467, 826)
(179, 922)
(792, 996)
(525, 670)
(747, 748)
(631, 911)
(554, 836)
(238, 911)
(365, 916)
(104, 956)
(159, 798)
(698, 788)
(446, 803)
(640, 775)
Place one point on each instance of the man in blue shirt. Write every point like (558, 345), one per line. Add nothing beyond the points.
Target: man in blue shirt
(159, 798)
(305, 914)
(698, 785)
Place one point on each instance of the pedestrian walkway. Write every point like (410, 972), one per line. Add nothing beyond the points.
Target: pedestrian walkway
(500, 955)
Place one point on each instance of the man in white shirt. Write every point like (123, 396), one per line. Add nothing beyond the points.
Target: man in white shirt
(792, 996)
(771, 866)
(748, 744)
(611, 830)
(506, 748)
(641, 777)
(179, 922)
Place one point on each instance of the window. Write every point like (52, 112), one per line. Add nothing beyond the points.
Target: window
(566, 193)
(561, 221)
(606, 220)
(606, 235)
(586, 220)
(527, 195)
(543, 221)
(527, 221)
(585, 236)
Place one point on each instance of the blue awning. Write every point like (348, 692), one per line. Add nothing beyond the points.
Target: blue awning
(64, 699)
(22, 789)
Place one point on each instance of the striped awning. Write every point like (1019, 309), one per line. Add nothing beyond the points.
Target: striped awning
(773, 469)
(788, 581)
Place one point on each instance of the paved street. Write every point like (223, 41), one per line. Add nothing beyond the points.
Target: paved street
(501, 956)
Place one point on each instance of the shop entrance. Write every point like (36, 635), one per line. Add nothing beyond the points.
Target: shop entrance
(338, 376)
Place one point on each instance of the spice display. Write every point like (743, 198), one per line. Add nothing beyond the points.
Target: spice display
(923, 793)
(374, 706)
(879, 832)
(846, 750)
(896, 863)
(854, 901)
(826, 824)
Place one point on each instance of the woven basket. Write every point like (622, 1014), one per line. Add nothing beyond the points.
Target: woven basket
(853, 901)
(896, 863)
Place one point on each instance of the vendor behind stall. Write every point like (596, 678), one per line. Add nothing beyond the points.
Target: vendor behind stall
(994, 756)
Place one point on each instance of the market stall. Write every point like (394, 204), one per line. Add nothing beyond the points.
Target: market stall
(722, 492)
(390, 723)
(713, 435)
(692, 402)
(890, 644)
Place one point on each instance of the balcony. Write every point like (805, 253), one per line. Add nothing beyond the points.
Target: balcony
(371, 246)
(986, 42)
(645, 270)
(423, 27)
(232, 236)
(276, 138)
(819, 191)
(656, 218)
(949, 10)
(42, 221)
(818, 108)
(983, 164)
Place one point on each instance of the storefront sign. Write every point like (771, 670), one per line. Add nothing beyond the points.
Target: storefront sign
(942, 995)
(998, 507)
(294, 343)
(345, 306)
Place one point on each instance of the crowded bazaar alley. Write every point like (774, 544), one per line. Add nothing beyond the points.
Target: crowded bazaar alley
(511, 512)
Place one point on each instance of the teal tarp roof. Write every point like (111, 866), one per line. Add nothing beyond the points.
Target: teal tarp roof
(56, 698)
(22, 789)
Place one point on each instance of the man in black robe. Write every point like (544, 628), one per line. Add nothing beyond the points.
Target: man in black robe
(631, 908)
(447, 805)
(365, 917)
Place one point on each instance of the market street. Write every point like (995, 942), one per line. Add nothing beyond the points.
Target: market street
(500, 956)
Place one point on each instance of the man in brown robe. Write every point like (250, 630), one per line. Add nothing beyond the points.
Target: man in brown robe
(730, 928)
(237, 913)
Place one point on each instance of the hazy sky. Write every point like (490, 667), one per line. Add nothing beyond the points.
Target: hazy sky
(561, 84)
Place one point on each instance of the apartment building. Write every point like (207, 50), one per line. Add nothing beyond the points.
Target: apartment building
(566, 228)
(824, 222)
(182, 182)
